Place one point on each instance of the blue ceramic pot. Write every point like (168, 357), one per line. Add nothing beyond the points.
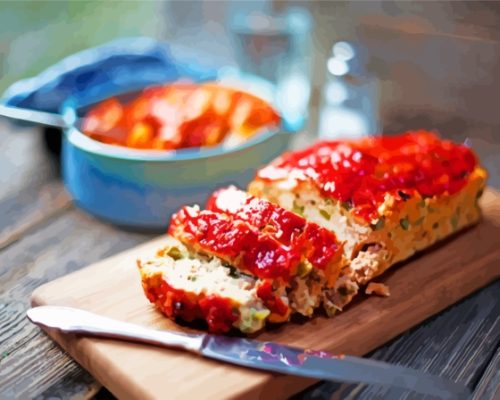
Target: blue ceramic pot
(141, 189)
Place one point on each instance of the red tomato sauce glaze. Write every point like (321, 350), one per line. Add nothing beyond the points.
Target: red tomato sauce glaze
(360, 172)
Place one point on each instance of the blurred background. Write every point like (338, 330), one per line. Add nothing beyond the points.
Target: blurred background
(400, 64)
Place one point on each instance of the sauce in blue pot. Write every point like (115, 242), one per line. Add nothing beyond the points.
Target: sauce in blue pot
(142, 188)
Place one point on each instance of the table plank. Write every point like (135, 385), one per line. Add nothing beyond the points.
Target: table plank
(32, 206)
(31, 194)
(23, 162)
(31, 362)
(489, 385)
(79, 385)
(31, 191)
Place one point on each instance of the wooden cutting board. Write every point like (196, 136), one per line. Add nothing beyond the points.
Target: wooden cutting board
(419, 288)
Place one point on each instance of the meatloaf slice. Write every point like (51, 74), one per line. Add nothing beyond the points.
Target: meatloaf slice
(187, 285)
(321, 252)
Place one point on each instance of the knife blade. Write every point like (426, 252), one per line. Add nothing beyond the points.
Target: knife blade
(255, 354)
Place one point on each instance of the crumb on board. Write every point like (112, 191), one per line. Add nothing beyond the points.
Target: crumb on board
(378, 288)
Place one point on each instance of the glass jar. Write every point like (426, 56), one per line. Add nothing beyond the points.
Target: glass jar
(350, 96)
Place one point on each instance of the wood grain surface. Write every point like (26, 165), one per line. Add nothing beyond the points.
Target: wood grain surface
(40, 240)
(419, 288)
(30, 363)
(488, 387)
(42, 237)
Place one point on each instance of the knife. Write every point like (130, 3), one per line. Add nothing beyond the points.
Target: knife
(252, 353)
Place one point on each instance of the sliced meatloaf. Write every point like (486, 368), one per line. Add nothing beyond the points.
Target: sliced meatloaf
(289, 255)
(188, 285)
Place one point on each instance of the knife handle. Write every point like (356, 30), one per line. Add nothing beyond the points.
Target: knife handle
(73, 320)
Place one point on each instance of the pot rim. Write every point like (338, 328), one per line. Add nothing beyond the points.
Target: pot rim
(83, 142)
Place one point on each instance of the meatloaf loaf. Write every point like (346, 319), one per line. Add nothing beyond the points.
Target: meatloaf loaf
(384, 197)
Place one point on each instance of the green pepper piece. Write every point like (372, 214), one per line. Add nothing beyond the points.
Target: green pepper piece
(297, 209)
(405, 224)
(175, 253)
(379, 224)
(419, 221)
(325, 215)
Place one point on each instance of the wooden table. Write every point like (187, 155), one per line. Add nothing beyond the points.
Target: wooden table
(43, 236)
